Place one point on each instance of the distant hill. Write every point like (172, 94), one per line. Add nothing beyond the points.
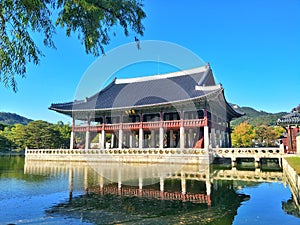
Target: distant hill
(256, 118)
(12, 118)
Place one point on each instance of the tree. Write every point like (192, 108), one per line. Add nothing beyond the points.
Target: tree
(264, 135)
(64, 133)
(243, 135)
(5, 144)
(41, 134)
(268, 135)
(16, 135)
(90, 20)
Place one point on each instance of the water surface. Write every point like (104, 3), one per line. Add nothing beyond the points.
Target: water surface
(113, 193)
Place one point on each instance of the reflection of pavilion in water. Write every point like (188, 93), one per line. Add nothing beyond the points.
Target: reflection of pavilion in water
(159, 181)
(119, 190)
(191, 183)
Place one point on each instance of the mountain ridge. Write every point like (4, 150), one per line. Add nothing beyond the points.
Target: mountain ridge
(255, 117)
(8, 118)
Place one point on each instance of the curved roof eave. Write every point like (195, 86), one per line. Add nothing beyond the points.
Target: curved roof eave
(203, 97)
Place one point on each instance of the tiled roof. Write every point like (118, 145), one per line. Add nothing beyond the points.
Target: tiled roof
(148, 91)
(292, 118)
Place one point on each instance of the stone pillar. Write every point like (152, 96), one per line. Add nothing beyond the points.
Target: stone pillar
(256, 162)
(87, 139)
(206, 137)
(171, 139)
(99, 140)
(233, 162)
(191, 138)
(222, 143)
(112, 141)
(103, 139)
(182, 137)
(213, 137)
(161, 137)
(141, 138)
(72, 140)
(130, 139)
(72, 134)
(120, 139)
(152, 138)
(218, 138)
(226, 140)
(229, 134)
(134, 139)
(87, 135)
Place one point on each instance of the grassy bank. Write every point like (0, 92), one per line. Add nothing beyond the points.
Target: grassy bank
(295, 163)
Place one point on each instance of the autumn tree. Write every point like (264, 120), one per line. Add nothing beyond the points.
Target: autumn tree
(268, 135)
(91, 21)
(243, 135)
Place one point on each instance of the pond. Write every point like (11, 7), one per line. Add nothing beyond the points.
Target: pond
(33, 192)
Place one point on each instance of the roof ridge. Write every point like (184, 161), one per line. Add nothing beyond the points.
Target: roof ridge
(163, 76)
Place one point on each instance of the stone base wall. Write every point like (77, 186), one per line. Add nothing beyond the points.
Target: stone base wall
(293, 180)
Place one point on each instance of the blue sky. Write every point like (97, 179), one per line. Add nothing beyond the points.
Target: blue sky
(252, 46)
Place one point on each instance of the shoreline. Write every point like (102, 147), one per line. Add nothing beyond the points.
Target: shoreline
(12, 153)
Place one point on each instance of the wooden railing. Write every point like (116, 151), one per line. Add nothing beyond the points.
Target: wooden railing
(172, 124)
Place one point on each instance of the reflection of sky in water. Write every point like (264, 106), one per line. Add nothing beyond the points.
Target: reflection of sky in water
(270, 196)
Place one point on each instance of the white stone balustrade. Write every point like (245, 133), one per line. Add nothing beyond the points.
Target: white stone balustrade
(255, 153)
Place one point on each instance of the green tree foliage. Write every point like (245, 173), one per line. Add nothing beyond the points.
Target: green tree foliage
(16, 135)
(64, 133)
(40, 134)
(36, 134)
(242, 135)
(90, 20)
(4, 142)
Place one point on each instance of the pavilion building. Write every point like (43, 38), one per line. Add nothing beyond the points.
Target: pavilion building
(184, 109)
(291, 123)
